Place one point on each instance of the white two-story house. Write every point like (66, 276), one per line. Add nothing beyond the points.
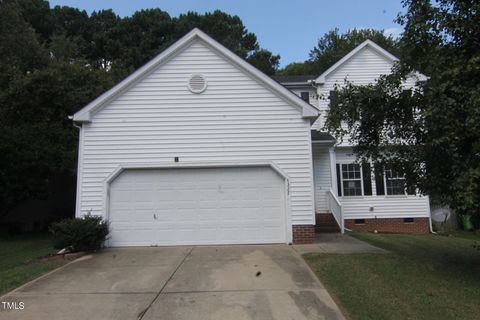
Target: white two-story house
(360, 197)
(199, 147)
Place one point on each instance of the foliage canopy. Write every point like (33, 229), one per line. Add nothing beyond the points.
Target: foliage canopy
(53, 61)
(431, 132)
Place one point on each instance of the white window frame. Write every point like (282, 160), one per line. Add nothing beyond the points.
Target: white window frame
(341, 178)
(385, 184)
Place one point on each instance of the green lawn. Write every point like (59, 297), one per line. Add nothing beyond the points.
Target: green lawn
(15, 252)
(424, 277)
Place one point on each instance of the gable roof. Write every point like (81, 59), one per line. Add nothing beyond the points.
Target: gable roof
(387, 55)
(85, 114)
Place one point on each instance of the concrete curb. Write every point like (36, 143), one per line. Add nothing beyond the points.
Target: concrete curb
(332, 301)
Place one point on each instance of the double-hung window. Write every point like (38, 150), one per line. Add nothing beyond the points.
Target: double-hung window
(394, 182)
(354, 179)
(351, 179)
(391, 182)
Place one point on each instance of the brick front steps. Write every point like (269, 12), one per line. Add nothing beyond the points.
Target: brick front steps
(325, 223)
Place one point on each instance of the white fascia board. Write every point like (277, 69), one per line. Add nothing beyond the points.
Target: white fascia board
(85, 114)
(370, 43)
(308, 110)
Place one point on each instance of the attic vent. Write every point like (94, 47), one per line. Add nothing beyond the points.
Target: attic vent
(197, 83)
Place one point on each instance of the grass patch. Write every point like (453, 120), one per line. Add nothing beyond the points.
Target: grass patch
(472, 235)
(424, 277)
(17, 259)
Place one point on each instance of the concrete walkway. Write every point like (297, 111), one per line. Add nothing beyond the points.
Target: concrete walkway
(217, 282)
(337, 243)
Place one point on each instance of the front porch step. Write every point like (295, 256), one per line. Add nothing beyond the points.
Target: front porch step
(325, 223)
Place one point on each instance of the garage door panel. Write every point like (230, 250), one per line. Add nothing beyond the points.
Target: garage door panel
(188, 216)
(197, 206)
(207, 204)
(165, 194)
(207, 215)
(207, 193)
(163, 214)
(229, 204)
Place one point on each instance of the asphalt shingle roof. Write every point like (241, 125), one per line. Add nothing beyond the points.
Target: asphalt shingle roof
(294, 79)
(322, 136)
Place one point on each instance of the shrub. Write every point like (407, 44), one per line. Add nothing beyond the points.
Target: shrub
(81, 234)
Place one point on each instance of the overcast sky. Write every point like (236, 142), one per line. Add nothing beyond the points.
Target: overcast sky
(290, 28)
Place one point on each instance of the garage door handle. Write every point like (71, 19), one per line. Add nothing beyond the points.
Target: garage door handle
(154, 216)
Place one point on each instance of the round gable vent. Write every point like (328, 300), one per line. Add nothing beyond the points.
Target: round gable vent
(197, 83)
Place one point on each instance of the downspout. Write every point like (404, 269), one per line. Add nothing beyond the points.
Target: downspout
(430, 218)
(430, 223)
(73, 122)
(78, 186)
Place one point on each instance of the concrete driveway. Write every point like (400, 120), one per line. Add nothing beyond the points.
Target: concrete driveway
(215, 282)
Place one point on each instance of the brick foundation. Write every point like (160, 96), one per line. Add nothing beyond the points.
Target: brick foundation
(304, 233)
(392, 225)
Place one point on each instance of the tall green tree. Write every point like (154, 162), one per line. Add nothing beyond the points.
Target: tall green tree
(38, 141)
(142, 36)
(431, 132)
(333, 46)
(265, 61)
(21, 51)
(229, 31)
(53, 61)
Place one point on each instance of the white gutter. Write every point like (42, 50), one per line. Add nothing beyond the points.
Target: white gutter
(324, 141)
(430, 223)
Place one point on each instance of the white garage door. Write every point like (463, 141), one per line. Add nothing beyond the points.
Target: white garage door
(197, 206)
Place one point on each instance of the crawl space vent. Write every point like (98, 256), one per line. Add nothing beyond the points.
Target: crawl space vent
(197, 83)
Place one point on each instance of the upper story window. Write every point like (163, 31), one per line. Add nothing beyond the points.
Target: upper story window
(305, 96)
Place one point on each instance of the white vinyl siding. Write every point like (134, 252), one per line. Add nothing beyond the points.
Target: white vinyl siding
(388, 206)
(363, 68)
(323, 182)
(235, 119)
